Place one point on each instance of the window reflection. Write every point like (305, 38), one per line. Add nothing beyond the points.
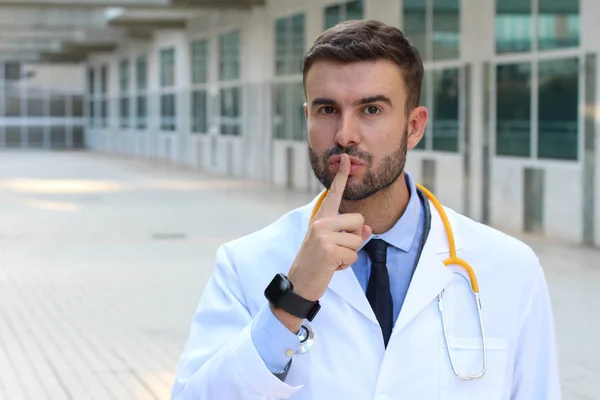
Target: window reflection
(230, 111)
(558, 24)
(288, 117)
(199, 111)
(513, 26)
(415, 24)
(446, 109)
(344, 11)
(513, 109)
(354, 10)
(446, 29)
(333, 15)
(557, 113)
(281, 41)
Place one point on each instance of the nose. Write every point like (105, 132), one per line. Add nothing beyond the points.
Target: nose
(348, 133)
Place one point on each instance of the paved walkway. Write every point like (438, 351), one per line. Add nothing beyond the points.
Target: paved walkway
(102, 262)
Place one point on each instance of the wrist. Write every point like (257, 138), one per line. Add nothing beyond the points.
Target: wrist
(291, 322)
(282, 298)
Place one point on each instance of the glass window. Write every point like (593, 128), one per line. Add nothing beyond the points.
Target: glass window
(558, 109)
(415, 23)
(513, 26)
(199, 111)
(289, 121)
(446, 109)
(513, 110)
(124, 75)
(104, 113)
(104, 79)
(279, 107)
(91, 114)
(58, 105)
(35, 137)
(35, 103)
(229, 56)
(230, 111)
(77, 106)
(298, 118)
(289, 45)
(167, 112)
(281, 46)
(141, 112)
(346, 11)
(141, 67)
(297, 44)
(433, 26)
(446, 29)
(333, 15)
(558, 24)
(12, 71)
(124, 112)
(91, 86)
(167, 67)
(354, 10)
(200, 61)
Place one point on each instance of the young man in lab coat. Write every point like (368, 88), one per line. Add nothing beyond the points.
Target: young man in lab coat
(357, 274)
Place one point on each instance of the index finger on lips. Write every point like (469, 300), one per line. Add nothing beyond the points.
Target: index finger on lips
(333, 199)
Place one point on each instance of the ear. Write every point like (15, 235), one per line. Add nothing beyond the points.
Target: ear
(305, 111)
(417, 121)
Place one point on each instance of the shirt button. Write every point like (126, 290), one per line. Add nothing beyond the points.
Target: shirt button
(289, 353)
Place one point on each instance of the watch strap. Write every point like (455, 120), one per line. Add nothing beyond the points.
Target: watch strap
(299, 306)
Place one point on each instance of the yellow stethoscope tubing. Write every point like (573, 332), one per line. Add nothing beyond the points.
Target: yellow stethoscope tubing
(453, 259)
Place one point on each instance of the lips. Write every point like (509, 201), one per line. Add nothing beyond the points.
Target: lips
(355, 163)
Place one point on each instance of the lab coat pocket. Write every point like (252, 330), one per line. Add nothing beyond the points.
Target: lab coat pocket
(467, 354)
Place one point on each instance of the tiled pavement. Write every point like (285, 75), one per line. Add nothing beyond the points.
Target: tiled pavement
(103, 259)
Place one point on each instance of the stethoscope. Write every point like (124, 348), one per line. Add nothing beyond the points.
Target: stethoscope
(307, 334)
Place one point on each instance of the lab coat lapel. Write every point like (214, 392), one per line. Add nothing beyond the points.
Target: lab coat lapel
(430, 276)
(346, 285)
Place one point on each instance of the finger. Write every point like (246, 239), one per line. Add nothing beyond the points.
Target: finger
(347, 240)
(333, 199)
(366, 232)
(347, 257)
(351, 222)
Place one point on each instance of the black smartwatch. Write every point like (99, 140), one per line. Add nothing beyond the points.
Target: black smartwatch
(280, 294)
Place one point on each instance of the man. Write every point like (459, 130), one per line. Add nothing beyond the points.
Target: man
(367, 270)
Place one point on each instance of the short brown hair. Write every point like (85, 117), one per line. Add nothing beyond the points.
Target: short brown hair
(369, 40)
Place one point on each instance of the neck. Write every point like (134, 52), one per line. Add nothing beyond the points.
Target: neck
(383, 209)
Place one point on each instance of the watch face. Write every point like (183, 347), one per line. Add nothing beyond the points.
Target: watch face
(278, 286)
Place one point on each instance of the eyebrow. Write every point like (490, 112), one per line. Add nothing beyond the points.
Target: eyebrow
(322, 101)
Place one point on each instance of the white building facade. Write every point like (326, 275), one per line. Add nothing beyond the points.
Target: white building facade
(512, 86)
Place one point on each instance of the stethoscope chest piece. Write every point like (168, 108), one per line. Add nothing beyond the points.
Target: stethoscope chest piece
(307, 339)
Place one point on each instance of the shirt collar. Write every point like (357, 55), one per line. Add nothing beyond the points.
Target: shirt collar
(402, 234)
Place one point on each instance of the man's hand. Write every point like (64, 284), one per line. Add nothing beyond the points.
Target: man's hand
(331, 244)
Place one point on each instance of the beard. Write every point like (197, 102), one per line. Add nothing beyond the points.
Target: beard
(374, 179)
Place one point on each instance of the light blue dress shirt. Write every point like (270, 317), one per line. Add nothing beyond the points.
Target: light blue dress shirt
(272, 338)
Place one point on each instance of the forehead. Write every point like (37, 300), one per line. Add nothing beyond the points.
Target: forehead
(349, 81)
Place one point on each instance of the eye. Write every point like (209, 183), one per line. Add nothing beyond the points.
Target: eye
(372, 110)
(327, 110)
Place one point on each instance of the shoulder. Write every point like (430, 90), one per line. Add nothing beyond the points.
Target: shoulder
(495, 247)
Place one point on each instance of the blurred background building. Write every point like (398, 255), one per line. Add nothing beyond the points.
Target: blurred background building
(512, 85)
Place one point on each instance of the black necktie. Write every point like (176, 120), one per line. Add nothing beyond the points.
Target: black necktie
(378, 288)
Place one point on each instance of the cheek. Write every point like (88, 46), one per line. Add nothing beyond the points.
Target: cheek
(321, 134)
(383, 136)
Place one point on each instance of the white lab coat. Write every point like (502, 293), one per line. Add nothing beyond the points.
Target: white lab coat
(348, 359)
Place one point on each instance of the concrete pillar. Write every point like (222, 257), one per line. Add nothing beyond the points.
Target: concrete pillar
(477, 46)
(590, 32)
